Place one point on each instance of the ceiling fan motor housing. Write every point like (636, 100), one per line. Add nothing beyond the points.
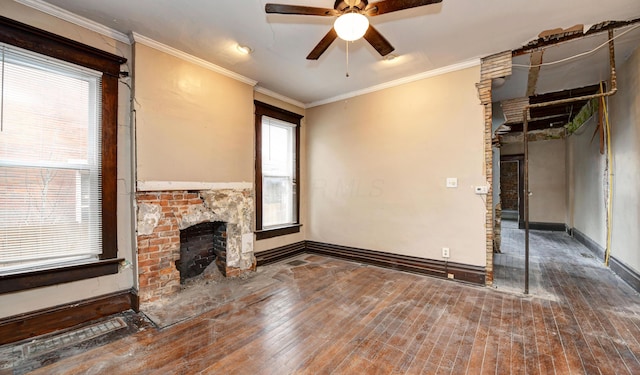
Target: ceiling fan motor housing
(342, 5)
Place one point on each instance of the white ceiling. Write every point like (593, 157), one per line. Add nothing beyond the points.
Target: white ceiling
(425, 38)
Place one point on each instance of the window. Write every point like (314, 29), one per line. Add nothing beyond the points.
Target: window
(277, 170)
(58, 105)
(49, 162)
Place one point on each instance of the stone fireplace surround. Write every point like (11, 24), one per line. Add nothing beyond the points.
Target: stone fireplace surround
(161, 216)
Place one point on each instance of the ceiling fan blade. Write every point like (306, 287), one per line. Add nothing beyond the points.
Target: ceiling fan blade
(378, 42)
(323, 45)
(388, 6)
(299, 9)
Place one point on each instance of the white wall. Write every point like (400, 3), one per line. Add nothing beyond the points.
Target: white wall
(497, 120)
(587, 169)
(40, 298)
(377, 166)
(625, 121)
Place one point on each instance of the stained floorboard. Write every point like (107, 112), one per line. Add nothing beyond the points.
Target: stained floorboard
(330, 316)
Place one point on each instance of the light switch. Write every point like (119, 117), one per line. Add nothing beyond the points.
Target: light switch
(452, 182)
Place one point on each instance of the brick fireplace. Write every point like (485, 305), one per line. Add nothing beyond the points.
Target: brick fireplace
(201, 245)
(162, 215)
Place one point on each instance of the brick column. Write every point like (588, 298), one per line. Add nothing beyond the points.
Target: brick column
(494, 66)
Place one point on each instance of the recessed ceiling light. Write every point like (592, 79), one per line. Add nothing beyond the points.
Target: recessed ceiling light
(390, 57)
(245, 50)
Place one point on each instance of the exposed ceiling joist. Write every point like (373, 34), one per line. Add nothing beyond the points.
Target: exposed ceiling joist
(554, 116)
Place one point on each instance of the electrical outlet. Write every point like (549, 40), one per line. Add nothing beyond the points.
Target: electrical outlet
(445, 252)
(482, 190)
(452, 182)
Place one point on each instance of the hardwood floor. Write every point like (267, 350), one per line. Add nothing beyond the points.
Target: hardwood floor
(329, 316)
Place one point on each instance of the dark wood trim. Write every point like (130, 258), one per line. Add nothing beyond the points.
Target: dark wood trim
(555, 227)
(31, 38)
(280, 253)
(258, 167)
(109, 167)
(24, 326)
(135, 300)
(520, 159)
(438, 268)
(51, 276)
(264, 109)
(275, 232)
(296, 191)
(629, 275)
(590, 244)
(43, 42)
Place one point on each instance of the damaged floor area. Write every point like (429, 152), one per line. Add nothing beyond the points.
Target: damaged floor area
(28, 355)
(320, 315)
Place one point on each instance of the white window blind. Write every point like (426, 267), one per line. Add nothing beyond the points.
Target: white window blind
(278, 173)
(50, 183)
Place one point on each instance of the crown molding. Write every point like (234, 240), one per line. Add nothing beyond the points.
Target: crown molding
(137, 38)
(275, 95)
(398, 82)
(75, 19)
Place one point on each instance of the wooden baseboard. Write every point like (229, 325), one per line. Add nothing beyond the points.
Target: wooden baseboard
(24, 326)
(279, 253)
(461, 272)
(630, 276)
(555, 227)
(590, 244)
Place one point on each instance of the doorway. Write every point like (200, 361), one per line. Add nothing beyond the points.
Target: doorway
(511, 188)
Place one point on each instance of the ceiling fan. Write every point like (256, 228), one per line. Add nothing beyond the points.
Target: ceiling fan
(352, 22)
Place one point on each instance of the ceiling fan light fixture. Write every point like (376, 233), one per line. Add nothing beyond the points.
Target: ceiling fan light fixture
(351, 26)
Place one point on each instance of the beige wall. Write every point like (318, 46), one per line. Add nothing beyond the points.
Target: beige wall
(271, 243)
(192, 124)
(377, 166)
(547, 179)
(625, 122)
(586, 208)
(35, 299)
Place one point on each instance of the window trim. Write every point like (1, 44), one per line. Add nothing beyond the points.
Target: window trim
(264, 109)
(43, 42)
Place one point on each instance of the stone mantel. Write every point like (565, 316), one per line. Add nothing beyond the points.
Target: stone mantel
(190, 185)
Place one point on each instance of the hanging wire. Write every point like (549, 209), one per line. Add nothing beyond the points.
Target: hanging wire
(578, 55)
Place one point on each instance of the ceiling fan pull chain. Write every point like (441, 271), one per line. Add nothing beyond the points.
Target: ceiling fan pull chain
(347, 58)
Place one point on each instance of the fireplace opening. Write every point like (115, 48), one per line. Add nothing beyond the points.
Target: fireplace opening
(201, 245)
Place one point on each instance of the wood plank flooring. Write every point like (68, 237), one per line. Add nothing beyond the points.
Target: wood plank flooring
(330, 316)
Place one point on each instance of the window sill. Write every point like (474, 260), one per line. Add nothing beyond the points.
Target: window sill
(277, 231)
(52, 276)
